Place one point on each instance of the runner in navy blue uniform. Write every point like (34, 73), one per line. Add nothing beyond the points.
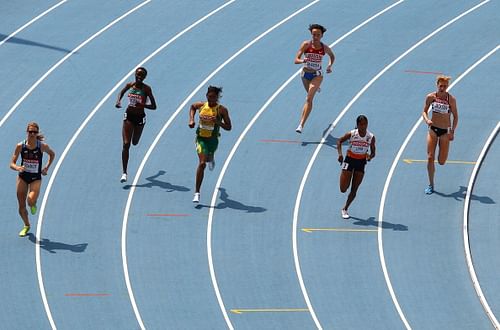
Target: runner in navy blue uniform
(30, 171)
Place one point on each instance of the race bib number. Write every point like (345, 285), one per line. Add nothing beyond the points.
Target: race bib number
(31, 166)
(313, 65)
(135, 100)
(440, 107)
(207, 125)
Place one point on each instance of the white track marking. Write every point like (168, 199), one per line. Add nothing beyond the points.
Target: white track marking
(62, 60)
(10, 36)
(333, 125)
(468, 254)
(158, 137)
(388, 181)
(54, 173)
(249, 126)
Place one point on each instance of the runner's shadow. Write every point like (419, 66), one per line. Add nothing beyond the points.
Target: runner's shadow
(232, 204)
(153, 182)
(329, 141)
(385, 225)
(25, 42)
(51, 246)
(460, 196)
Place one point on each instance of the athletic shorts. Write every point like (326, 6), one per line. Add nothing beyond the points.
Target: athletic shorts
(353, 164)
(310, 75)
(439, 131)
(206, 146)
(30, 177)
(136, 119)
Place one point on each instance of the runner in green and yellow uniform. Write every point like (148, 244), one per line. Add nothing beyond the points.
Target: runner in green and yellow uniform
(212, 116)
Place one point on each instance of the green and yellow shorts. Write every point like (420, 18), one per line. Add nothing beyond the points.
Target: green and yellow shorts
(206, 146)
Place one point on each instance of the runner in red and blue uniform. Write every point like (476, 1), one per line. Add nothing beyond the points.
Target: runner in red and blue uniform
(313, 51)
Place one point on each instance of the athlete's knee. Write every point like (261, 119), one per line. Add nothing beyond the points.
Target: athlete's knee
(343, 189)
(202, 164)
(430, 157)
(135, 142)
(126, 146)
(441, 161)
(22, 209)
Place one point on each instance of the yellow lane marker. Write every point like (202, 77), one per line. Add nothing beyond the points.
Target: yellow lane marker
(268, 310)
(352, 230)
(410, 161)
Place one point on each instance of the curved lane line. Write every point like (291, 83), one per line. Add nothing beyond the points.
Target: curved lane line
(388, 180)
(65, 152)
(249, 126)
(10, 36)
(54, 173)
(332, 126)
(468, 254)
(62, 60)
(157, 139)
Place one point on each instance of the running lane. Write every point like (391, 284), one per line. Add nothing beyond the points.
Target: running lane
(27, 56)
(88, 288)
(170, 274)
(427, 263)
(18, 280)
(252, 221)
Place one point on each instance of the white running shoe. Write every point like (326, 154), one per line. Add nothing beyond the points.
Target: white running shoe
(123, 178)
(299, 129)
(345, 215)
(196, 198)
(211, 165)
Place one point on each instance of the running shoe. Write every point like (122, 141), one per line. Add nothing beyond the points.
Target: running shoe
(299, 129)
(123, 178)
(429, 190)
(211, 165)
(24, 231)
(33, 209)
(196, 198)
(345, 215)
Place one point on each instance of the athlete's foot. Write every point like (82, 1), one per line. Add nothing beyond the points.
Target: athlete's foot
(33, 209)
(345, 215)
(24, 231)
(429, 190)
(123, 178)
(211, 165)
(299, 129)
(196, 198)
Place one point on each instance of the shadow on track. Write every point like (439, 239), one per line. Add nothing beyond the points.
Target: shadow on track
(33, 43)
(329, 141)
(153, 182)
(232, 204)
(51, 246)
(460, 196)
(385, 225)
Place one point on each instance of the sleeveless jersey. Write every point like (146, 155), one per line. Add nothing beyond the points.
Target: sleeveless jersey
(440, 105)
(207, 126)
(31, 159)
(136, 96)
(314, 57)
(358, 145)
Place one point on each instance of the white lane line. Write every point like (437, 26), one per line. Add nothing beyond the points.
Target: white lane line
(70, 144)
(56, 169)
(157, 139)
(249, 126)
(468, 254)
(333, 125)
(388, 181)
(62, 60)
(10, 36)
(143, 163)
